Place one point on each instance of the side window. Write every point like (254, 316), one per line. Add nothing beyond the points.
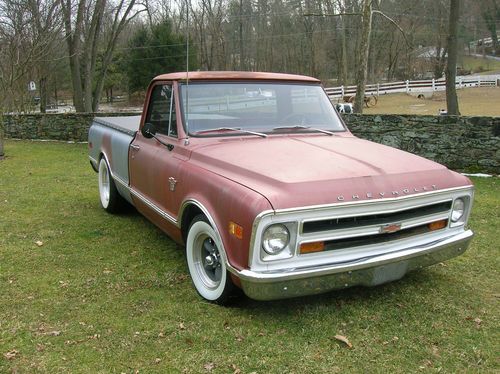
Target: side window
(159, 108)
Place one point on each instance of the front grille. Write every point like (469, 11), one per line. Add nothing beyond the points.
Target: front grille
(375, 219)
(375, 239)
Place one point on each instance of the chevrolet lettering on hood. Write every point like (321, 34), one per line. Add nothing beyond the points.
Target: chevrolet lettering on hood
(259, 179)
(404, 191)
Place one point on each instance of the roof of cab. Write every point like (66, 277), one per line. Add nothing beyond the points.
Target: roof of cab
(235, 75)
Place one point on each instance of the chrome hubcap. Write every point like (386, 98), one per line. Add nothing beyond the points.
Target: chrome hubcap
(211, 262)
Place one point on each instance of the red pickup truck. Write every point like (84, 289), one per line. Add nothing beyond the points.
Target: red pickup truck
(260, 179)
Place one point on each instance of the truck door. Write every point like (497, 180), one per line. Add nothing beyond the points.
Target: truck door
(153, 166)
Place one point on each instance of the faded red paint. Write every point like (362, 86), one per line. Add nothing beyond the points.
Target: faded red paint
(236, 178)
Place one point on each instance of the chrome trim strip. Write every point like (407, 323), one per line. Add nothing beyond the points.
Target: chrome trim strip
(153, 206)
(370, 202)
(92, 159)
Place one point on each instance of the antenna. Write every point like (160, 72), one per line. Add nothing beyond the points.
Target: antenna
(188, 3)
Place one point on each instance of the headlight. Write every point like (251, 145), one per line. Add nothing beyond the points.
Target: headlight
(275, 239)
(458, 210)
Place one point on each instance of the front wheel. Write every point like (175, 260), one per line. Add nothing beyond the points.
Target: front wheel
(207, 262)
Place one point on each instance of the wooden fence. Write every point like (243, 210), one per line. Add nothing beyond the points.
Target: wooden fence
(415, 87)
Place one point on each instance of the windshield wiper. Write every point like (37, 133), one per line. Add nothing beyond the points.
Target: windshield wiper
(237, 129)
(302, 127)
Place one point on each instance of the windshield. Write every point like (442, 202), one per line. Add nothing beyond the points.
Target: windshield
(257, 107)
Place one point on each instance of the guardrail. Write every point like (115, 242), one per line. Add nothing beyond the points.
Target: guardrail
(415, 87)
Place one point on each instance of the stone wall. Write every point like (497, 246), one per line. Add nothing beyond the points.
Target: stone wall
(67, 126)
(461, 143)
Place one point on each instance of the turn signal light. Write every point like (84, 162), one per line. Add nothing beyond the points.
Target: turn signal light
(236, 230)
(312, 247)
(437, 225)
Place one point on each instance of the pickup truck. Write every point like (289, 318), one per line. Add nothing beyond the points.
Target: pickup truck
(258, 177)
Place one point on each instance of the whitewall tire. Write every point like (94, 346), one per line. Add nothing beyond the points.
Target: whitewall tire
(207, 262)
(110, 199)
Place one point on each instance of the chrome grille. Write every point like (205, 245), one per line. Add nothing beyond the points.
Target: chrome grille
(375, 219)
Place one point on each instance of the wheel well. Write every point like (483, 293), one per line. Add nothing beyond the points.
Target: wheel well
(190, 212)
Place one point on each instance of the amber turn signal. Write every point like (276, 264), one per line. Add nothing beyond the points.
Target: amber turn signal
(437, 225)
(236, 230)
(312, 247)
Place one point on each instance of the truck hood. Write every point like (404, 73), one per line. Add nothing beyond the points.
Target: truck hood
(305, 170)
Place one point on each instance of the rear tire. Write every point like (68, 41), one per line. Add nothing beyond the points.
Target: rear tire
(111, 201)
(207, 262)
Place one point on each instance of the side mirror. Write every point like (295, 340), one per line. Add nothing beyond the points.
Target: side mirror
(148, 130)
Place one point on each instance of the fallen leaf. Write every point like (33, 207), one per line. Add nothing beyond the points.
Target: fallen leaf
(157, 360)
(53, 333)
(343, 339)
(161, 335)
(39, 243)
(107, 271)
(236, 370)
(182, 326)
(240, 338)
(478, 321)
(209, 366)
(261, 334)
(11, 354)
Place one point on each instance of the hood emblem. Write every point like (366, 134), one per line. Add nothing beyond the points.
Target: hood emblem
(390, 228)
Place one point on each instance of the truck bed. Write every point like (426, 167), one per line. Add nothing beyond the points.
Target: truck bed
(126, 124)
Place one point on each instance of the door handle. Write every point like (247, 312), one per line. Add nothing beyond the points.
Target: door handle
(135, 147)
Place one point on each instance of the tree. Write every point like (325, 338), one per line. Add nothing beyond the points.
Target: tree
(491, 16)
(364, 50)
(451, 66)
(83, 34)
(155, 51)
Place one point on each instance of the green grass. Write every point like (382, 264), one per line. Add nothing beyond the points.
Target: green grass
(481, 65)
(111, 294)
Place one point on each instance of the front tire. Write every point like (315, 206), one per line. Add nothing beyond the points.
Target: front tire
(207, 262)
(111, 201)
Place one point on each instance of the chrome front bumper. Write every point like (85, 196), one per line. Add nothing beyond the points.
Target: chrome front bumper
(368, 271)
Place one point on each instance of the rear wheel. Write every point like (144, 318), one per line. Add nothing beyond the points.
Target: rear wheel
(110, 199)
(207, 263)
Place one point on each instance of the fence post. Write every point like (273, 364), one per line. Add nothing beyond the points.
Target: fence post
(479, 81)
(407, 86)
(378, 89)
(433, 84)
(342, 91)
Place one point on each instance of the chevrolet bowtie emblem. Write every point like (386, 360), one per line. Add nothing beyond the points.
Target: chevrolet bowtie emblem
(390, 228)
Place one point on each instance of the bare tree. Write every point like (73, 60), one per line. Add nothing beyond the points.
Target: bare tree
(451, 66)
(83, 33)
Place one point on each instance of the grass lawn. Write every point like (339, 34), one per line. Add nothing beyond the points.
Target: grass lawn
(481, 65)
(111, 294)
(481, 101)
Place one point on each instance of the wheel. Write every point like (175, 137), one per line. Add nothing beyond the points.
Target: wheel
(111, 200)
(207, 263)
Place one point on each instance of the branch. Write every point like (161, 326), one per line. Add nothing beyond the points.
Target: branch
(395, 24)
(330, 15)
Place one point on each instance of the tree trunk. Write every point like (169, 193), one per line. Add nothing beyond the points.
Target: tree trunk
(451, 66)
(1, 138)
(343, 65)
(43, 95)
(364, 51)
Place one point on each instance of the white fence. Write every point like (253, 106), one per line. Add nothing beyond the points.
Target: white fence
(415, 87)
